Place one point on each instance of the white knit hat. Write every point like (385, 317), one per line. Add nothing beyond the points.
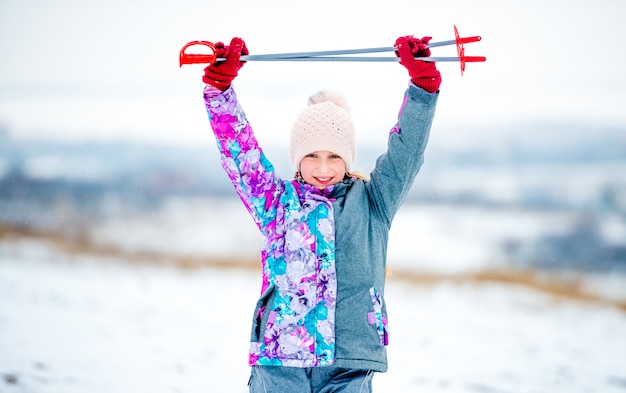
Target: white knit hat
(323, 125)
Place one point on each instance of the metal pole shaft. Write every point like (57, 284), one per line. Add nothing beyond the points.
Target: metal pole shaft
(271, 56)
(355, 59)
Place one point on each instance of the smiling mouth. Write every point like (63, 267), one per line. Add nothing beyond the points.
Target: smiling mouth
(323, 179)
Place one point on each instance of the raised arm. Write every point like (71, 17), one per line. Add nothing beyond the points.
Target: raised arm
(252, 175)
(396, 169)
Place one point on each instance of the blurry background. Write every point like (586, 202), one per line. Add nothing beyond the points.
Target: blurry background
(106, 154)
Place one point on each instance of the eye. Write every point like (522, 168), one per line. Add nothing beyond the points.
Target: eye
(311, 155)
(333, 156)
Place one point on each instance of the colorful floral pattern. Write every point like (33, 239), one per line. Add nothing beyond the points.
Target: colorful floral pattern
(377, 318)
(295, 317)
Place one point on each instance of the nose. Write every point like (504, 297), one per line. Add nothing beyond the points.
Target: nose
(324, 166)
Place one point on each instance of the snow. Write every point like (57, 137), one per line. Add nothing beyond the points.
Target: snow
(82, 323)
(77, 324)
(215, 227)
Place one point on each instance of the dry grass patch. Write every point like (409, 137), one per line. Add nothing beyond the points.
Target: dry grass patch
(559, 286)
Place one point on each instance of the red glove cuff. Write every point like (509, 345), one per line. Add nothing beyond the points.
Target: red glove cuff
(423, 73)
(427, 77)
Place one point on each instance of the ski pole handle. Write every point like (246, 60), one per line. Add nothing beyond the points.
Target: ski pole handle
(192, 58)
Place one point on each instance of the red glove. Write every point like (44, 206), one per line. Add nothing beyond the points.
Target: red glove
(221, 74)
(423, 73)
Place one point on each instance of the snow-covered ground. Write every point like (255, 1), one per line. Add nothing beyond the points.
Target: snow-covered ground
(80, 323)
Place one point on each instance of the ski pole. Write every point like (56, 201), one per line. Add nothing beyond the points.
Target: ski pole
(186, 58)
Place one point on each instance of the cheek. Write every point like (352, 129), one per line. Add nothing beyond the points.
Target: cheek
(340, 168)
(304, 168)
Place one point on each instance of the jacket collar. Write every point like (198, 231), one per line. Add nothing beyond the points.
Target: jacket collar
(332, 192)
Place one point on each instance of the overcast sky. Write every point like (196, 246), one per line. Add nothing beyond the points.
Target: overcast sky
(109, 69)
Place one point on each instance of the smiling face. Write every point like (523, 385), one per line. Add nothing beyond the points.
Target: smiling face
(322, 169)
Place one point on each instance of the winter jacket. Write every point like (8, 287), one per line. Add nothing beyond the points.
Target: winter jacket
(324, 252)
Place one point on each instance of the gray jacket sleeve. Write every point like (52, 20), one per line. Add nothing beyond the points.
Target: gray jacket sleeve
(396, 169)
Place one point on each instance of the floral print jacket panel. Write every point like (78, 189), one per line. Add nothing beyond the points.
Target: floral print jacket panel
(295, 316)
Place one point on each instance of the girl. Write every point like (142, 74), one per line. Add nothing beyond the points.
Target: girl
(320, 324)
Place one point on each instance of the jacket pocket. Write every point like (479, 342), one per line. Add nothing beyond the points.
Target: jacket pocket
(261, 314)
(377, 318)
